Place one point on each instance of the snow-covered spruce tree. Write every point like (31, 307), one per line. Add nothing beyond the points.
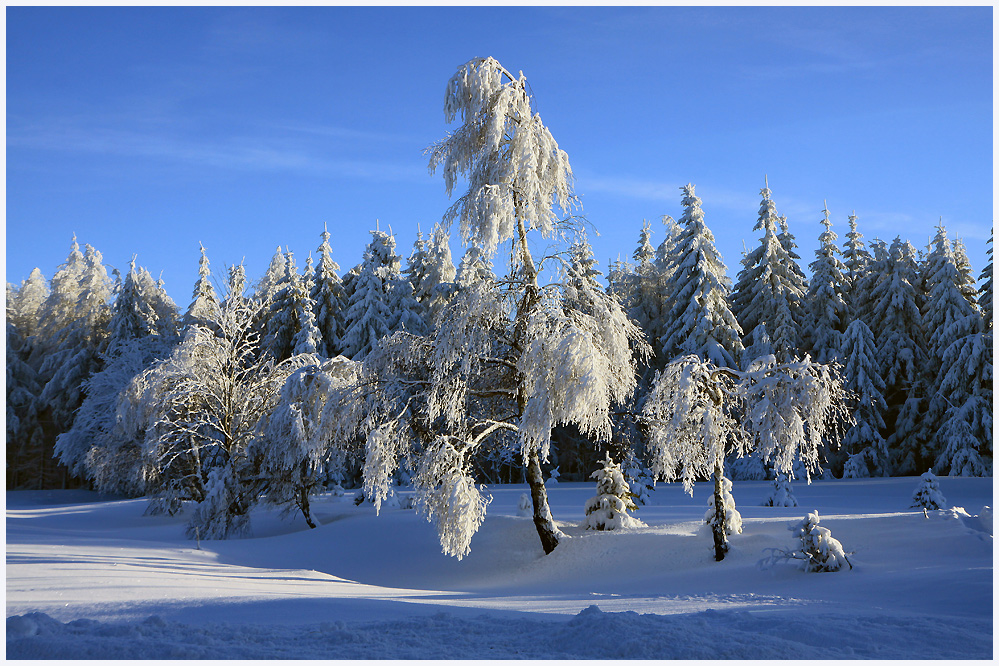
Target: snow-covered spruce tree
(857, 260)
(166, 313)
(79, 354)
(646, 307)
(24, 432)
(290, 454)
(621, 278)
(280, 323)
(59, 308)
(948, 316)
(508, 359)
(797, 277)
(782, 411)
(927, 494)
(769, 288)
(782, 494)
(366, 320)
(204, 301)
(416, 265)
(99, 446)
(132, 316)
(271, 282)
(896, 322)
(985, 291)
(963, 402)
(25, 306)
(966, 279)
(825, 297)
(609, 508)
(291, 325)
(405, 312)
(436, 287)
(863, 442)
(328, 296)
(700, 321)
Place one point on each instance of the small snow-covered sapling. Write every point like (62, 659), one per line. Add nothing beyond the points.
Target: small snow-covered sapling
(781, 495)
(553, 478)
(609, 508)
(927, 494)
(818, 550)
(524, 506)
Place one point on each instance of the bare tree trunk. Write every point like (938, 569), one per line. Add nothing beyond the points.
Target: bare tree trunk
(718, 527)
(543, 521)
(303, 497)
(304, 503)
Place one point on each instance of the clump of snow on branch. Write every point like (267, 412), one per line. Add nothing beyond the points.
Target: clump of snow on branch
(449, 497)
(608, 509)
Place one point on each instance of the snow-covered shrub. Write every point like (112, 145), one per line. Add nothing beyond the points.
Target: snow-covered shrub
(781, 495)
(733, 519)
(928, 495)
(608, 509)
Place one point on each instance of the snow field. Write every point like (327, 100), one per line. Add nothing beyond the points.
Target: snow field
(89, 577)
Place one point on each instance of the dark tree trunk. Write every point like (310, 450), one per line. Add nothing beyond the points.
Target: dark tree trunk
(543, 520)
(718, 527)
(303, 497)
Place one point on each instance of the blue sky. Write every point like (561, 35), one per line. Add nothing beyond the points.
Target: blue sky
(148, 130)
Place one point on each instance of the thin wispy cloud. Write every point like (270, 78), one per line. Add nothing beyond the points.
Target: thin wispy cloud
(634, 188)
(247, 152)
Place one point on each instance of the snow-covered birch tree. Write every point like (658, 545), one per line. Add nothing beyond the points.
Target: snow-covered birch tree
(697, 411)
(509, 360)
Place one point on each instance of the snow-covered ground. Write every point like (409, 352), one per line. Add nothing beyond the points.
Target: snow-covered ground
(92, 578)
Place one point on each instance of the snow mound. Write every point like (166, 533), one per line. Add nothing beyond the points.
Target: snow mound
(981, 523)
